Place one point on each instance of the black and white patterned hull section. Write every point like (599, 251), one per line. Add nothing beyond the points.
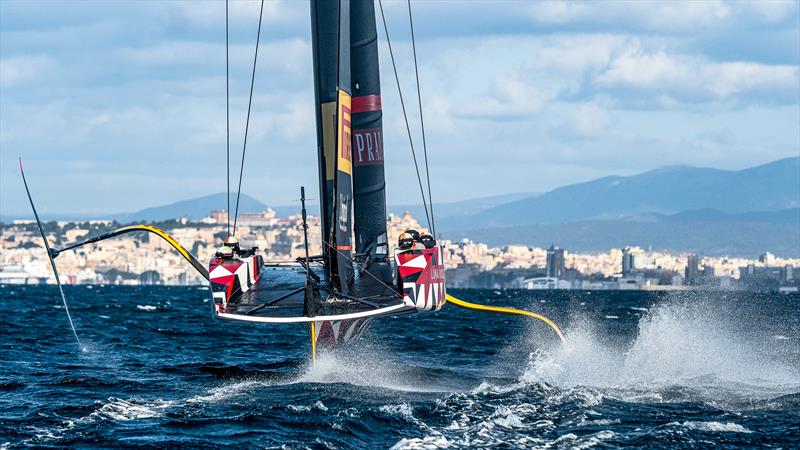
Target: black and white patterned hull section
(232, 277)
(332, 334)
(421, 277)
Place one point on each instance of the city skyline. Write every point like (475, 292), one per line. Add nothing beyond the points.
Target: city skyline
(104, 102)
(136, 260)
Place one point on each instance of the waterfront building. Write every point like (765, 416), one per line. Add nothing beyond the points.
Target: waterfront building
(555, 262)
(692, 274)
(628, 261)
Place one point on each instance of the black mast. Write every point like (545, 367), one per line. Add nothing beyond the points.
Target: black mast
(369, 184)
(330, 31)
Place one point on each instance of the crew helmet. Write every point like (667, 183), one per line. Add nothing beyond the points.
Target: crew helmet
(406, 241)
(224, 252)
(232, 242)
(427, 240)
(414, 233)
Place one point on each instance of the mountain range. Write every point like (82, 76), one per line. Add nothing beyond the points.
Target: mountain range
(674, 208)
(677, 208)
(195, 208)
(668, 190)
(200, 207)
(707, 232)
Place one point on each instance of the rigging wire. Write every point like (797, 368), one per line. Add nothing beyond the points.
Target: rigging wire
(50, 256)
(405, 116)
(421, 119)
(333, 267)
(227, 124)
(247, 122)
(391, 289)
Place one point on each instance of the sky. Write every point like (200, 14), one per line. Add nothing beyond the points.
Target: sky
(117, 106)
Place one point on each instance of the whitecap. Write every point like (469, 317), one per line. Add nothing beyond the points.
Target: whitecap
(403, 410)
(717, 427)
(427, 442)
(506, 418)
(227, 391)
(316, 406)
(593, 439)
(123, 410)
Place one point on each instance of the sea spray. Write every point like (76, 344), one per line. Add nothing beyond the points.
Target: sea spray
(370, 365)
(680, 345)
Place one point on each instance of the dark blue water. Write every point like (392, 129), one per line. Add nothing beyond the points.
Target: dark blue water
(643, 370)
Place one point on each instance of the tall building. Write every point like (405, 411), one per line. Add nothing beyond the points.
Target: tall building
(692, 270)
(628, 261)
(767, 258)
(555, 262)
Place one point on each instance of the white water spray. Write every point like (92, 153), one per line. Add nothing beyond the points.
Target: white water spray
(682, 347)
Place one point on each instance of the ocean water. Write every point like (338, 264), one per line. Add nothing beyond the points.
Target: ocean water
(638, 370)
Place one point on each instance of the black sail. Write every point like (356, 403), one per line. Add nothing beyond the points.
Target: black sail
(368, 172)
(330, 28)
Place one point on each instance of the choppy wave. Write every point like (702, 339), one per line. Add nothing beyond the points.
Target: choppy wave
(715, 427)
(664, 372)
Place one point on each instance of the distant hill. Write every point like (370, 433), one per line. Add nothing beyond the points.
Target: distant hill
(200, 207)
(669, 190)
(708, 232)
(462, 207)
(195, 208)
(788, 216)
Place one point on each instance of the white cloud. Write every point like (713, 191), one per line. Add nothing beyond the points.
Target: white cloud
(559, 11)
(15, 70)
(171, 53)
(637, 67)
(589, 118)
(213, 13)
(289, 55)
(737, 77)
(771, 10)
(656, 15)
(694, 78)
(512, 97)
(587, 87)
(577, 53)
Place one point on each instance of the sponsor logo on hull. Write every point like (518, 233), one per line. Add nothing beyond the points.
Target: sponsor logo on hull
(232, 277)
(422, 277)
